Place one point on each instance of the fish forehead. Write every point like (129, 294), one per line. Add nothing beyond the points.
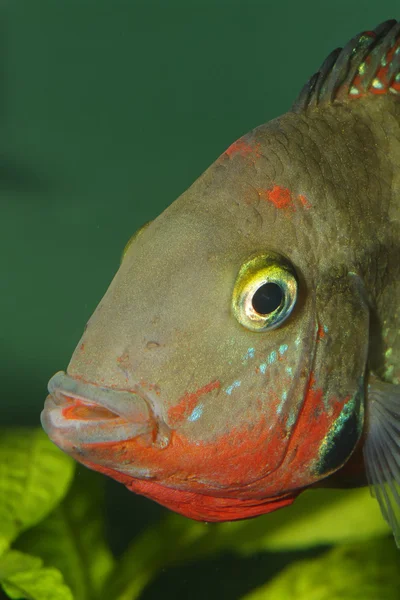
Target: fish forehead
(247, 200)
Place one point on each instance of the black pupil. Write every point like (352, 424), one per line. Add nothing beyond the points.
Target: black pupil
(267, 298)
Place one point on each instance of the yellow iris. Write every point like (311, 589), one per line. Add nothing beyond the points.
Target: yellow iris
(265, 292)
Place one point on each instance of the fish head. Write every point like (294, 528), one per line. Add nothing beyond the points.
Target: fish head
(208, 377)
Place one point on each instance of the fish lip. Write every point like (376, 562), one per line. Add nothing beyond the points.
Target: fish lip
(133, 410)
(131, 405)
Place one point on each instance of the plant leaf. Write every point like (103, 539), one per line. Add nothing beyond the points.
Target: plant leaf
(38, 584)
(160, 545)
(71, 537)
(365, 571)
(34, 477)
(317, 517)
(22, 576)
(13, 562)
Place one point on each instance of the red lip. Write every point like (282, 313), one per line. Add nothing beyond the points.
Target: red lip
(83, 411)
(80, 410)
(77, 412)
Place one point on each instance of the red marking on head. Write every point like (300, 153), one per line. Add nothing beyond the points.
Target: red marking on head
(320, 333)
(188, 402)
(244, 149)
(280, 197)
(304, 201)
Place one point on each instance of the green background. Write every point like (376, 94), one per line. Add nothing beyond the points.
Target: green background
(108, 111)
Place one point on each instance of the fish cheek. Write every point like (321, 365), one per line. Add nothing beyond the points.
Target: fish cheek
(343, 318)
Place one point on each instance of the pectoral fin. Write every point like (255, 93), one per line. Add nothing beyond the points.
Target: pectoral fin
(382, 450)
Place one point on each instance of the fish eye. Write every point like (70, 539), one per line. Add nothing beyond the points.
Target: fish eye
(133, 238)
(265, 292)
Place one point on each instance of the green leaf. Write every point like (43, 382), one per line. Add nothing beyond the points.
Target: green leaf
(163, 544)
(13, 562)
(39, 584)
(22, 576)
(317, 517)
(366, 571)
(34, 477)
(71, 538)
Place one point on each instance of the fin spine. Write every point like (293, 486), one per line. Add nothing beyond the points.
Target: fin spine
(368, 64)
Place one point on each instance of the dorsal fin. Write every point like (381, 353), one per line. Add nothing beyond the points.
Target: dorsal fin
(368, 64)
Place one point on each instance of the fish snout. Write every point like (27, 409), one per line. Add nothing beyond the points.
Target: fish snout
(79, 413)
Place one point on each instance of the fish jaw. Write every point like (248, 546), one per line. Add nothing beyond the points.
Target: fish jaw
(122, 434)
(200, 506)
(78, 413)
(95, 425)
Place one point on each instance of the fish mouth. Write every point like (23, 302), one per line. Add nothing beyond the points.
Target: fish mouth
(77, 412)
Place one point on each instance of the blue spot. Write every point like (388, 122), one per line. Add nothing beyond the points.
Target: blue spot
(270, 359)
(326, 328)
(234, 385)
(283, 349)
(291, 419)
(196, 414)
(289, 370)
(282, 402)
(249, 354)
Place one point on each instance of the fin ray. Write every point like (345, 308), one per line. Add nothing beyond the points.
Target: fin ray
(368, 64)
(382, 450)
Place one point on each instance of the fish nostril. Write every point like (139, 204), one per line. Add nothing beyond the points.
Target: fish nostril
(152, 345)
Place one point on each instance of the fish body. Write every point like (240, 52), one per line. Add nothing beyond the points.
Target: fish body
(248, 347)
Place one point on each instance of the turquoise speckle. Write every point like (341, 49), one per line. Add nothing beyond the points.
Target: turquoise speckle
(249, 354)
(282, 402)
(270, 360)
(289, 370)
(291, 419)
(234, 385)
(326, 328)
(196, 414)
(283, 349)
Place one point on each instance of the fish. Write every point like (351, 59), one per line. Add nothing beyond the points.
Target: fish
(248, 347)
